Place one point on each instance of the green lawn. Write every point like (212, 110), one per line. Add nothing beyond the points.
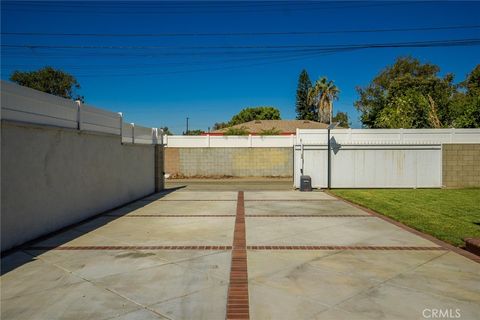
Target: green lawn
(447, 214)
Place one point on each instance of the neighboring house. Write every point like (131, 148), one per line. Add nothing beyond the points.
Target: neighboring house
(286, 127)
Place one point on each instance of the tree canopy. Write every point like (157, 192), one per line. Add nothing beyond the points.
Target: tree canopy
(236, 131)
(342, 119)
(166, 131)
(321, 95)
(195, 132)
(411, 94)
(303, 108)
(314, 102)
(250, 114)
(270, 132)
(49, 80)
(255, 113)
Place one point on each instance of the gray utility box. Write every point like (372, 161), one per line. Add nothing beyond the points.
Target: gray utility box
(305, 183)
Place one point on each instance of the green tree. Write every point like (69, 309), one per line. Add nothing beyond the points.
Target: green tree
(472, 82)
(196, 132)
(342, 119)
(270, 132)
(465, 105)
(220, 125)
(305, 111)
(49, 80)
(255, 113)
(322, 95)
(407, 94)
(166, 131)
(467, 111)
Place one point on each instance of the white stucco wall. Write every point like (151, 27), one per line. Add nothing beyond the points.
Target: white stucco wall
(53, 177)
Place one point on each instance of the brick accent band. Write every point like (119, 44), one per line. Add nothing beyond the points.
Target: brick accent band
(183, 200)
(230, 248)
(341, 248)
(172, 215)
(129, 248)
(247, 215)
(237, 299)
(290, 200)
(308, 215)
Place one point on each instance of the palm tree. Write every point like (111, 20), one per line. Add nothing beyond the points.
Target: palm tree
(322, 95)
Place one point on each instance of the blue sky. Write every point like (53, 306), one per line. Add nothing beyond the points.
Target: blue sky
(161, 86)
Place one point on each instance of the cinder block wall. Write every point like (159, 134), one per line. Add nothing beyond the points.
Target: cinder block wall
(461, 165)
(235, 162)
(53, 177)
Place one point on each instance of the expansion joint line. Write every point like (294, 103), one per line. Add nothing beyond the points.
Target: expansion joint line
(237, 300)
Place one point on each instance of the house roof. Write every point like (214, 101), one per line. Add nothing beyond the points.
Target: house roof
(285, 126)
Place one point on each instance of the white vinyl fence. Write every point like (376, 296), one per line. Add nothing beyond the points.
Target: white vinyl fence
(373, 158)
(27, 105)
(249, 141)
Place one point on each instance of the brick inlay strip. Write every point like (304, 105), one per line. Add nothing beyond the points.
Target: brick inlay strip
(341, 248)
(308, 215)
(129, 248)
(287, 200)
(237, 299)
(230, 248)
(182, 200)
(172, 215)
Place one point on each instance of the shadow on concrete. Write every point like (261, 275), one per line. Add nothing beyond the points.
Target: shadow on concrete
(12, 258)
(233, 184)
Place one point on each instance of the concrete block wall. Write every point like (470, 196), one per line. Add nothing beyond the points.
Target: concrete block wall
(235, 162)
(52, 177)
(461, 165)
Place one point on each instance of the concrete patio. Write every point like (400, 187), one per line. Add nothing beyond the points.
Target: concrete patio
(169, 256)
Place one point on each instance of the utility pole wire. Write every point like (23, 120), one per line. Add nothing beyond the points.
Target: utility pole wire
(427, 43)
(228, 34)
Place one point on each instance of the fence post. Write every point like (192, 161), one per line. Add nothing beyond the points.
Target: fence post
(350, 135)
(292, 140)
(159, 163)
(79, 114)
(121, 127)
(133, 132)
(402, 139)
(452, 134)
(250, 140)
(162, 137)
(208, 140)
(154, 136)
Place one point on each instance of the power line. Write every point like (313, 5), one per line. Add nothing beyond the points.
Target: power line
(274, 54)
(234, 34)
(430, 43)
(205, 8)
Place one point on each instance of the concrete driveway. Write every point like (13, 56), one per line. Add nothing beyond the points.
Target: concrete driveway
(255, 254)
